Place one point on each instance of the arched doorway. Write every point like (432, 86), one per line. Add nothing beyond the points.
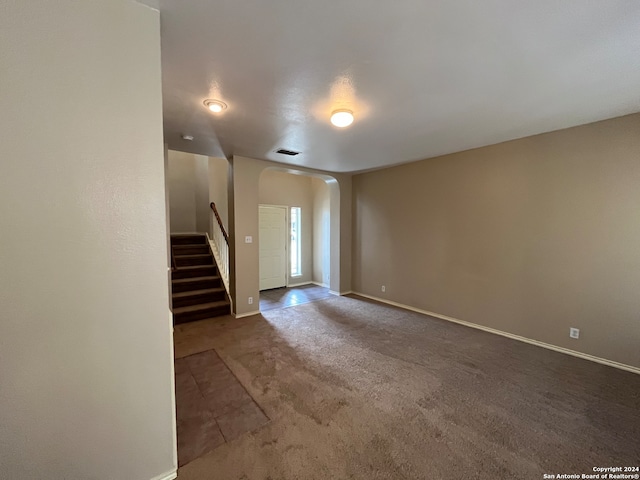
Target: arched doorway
(244, 220)
(294, 241)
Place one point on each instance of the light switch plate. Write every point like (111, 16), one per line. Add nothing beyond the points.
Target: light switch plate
(248, 239)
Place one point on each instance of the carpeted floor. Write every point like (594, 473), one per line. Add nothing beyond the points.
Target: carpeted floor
(359, 390)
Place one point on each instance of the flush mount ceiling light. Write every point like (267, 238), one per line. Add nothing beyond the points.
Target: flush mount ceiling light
(342, 118)
(216, 106)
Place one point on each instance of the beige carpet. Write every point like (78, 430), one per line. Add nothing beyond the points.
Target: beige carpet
(360, 390)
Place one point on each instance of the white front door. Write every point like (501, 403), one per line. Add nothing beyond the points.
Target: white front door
(273, 255)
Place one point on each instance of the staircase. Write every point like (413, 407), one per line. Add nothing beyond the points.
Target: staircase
(197, 290)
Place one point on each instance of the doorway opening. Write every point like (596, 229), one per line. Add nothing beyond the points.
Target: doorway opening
(294, 236)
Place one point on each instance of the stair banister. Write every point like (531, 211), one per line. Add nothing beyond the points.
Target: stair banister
(220, 247)
(215, 212)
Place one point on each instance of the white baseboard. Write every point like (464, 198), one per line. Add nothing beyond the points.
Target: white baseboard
(324, 285)
(170, 475)
(567, 351)
(249, 314)
(298, 284)
(339, 294)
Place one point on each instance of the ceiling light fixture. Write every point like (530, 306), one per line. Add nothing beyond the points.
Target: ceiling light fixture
(342, 118)
(216, 106)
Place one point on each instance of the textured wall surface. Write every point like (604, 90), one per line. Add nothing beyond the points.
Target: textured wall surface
(321, 231)
(219, 187)
(188, 192)
(86, 364)
(530, 237)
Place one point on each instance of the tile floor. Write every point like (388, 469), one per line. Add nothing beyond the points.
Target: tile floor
(288, 297)
(212, 406)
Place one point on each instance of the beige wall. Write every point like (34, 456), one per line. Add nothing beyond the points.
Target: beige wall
(286, 189)
(321, 231)
(203, 211)
(218, 187)
(188, 192)
(244, 221)
(86, 361)
(530, 237)
(182, 199)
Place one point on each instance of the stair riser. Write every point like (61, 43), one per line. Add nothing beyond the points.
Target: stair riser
(200, 315)
(189, 240)
(190, 250)
(197, 299)
(196, 272)
(190, 261)
(199, 285)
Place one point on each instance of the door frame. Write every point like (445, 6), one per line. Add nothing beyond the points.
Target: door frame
(287, 241)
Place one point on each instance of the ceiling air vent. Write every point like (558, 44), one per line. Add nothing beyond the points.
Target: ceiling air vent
(284, 151)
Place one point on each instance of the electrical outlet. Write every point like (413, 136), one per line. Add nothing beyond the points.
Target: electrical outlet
(384, 289)
(248, 239)
(250, 301)
(574, 332)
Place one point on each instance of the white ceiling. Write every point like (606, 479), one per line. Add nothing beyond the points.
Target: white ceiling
(423, 77)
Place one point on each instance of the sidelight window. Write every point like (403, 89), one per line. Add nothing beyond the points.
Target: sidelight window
(296, 249)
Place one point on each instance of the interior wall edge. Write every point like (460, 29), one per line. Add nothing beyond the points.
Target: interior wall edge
(170, 475)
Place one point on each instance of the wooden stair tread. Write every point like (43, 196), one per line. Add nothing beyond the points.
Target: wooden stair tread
(193, 267)
(188, 239)
(179, 249)
(197, 292)
(196, 283)
(201, 306)
(195, 279)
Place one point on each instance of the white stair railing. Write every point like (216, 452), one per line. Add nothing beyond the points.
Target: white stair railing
(220, 247)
